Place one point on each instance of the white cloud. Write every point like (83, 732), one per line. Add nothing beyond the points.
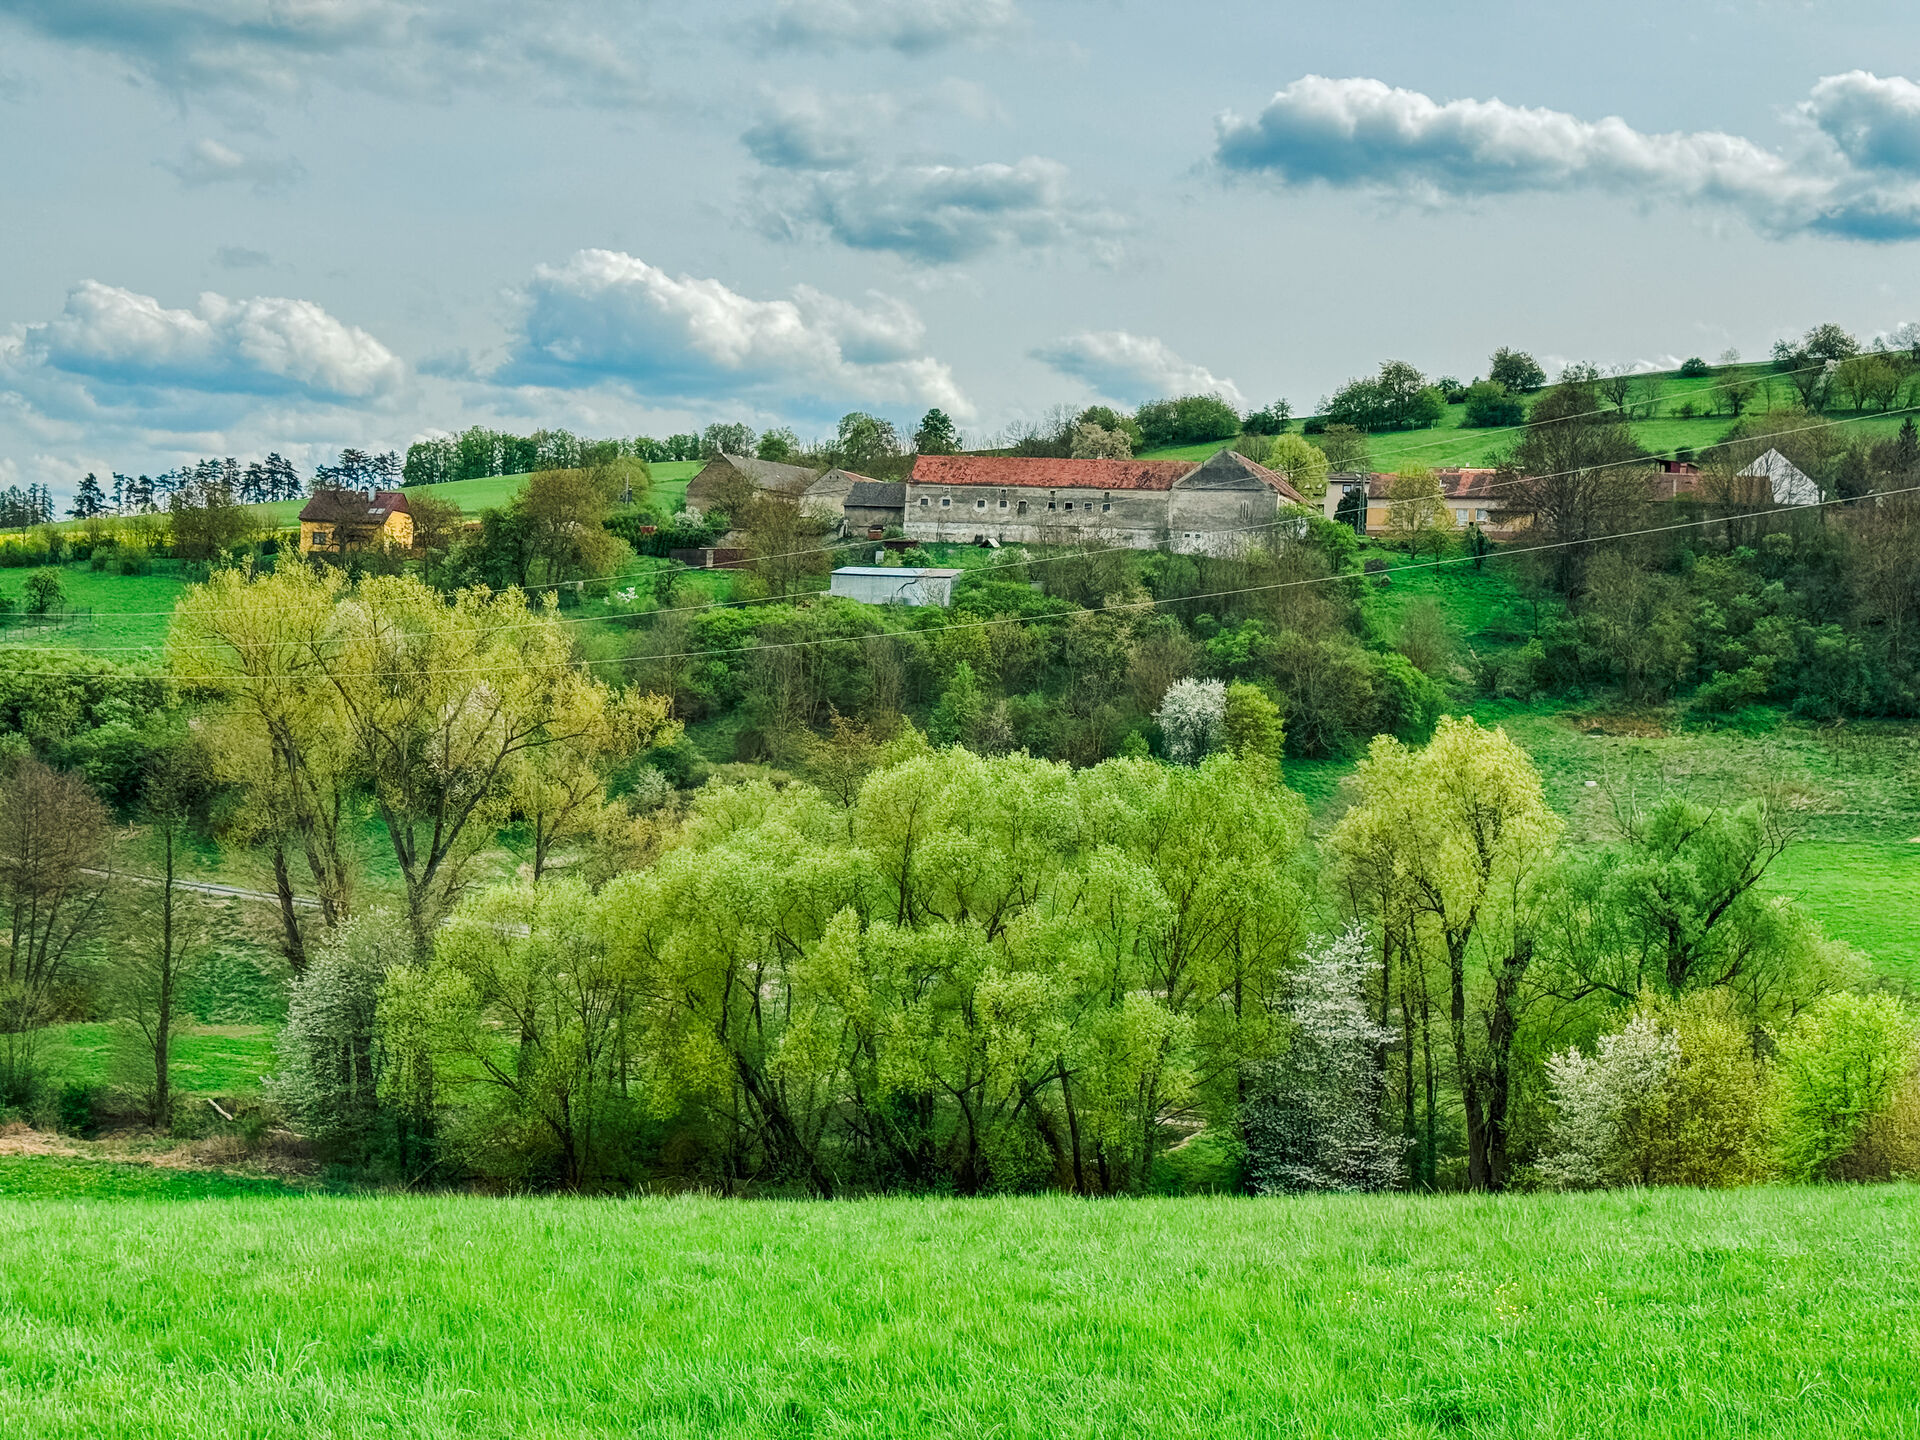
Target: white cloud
(909, 26)
(208, 162)
(1134, 368)
(806, 130)
(113, 339)
(940, 214)
(608, 316)
(1362, 133)
(278, 47)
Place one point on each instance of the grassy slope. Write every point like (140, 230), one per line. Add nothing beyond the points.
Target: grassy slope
(1667, 1313)
(1451, 443)
(216, 1060)
(129, 611)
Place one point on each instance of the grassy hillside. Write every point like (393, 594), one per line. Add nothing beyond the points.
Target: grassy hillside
(128, 612)
(1453, 443)
(1661, 1313)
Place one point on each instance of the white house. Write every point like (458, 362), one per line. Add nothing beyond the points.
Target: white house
(1791, 485)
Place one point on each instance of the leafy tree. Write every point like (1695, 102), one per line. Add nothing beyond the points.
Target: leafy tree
(961, 706)
(865, 438)
(726, 439)
(207, 521)
(1188, 420)
(780, 445)
(1490, 406)
(1269, 419)
(1090, 442)
(1251, 726)
(1313, 1121)
(1465, 827)
(1518, 371)
(1303, 463)
(1398, 398)
(44, 592)
(1694, 368)
(561, 788)
(1417, 514)
(937, 434)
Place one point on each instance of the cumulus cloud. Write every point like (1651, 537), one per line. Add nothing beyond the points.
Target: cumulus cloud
(1853, 174)
(1133, 368)
(609, 316)
(939, 214)
(208, 162)
(909, 26)
(276, 47)
(112, 339)
(240, 257)
(805, 130)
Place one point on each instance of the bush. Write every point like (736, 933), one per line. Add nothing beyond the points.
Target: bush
(1489, 405)
(1843, 1066)
(76, 1110)
(1694, 368)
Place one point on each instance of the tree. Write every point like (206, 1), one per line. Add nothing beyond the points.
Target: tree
(54, 876)
(936, 435)
(1417, 514)
(1398, 398)
(1192, 717)
(1617, 386)
(1090, 442)
(43, 591)
(1188, 420)
(437, 525)
(1575, 475)
(865, 438)
(1465, 828)
(1268, 420)
(207, 521)
(158, 954)
(1346, 450)
(1313, 1119)
(1490, 406)
(565, 513)
(1517, 370)
(561, 788)
(1841, 1065)
(89, 499)
(1251, 726)
(788, 547)
(721, 439)
(780, 445)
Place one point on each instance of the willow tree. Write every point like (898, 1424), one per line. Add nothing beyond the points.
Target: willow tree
(1462, 826)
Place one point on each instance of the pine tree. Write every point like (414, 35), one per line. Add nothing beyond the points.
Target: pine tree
(89, 499)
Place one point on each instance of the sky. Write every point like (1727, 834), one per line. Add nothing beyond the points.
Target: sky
(235, 226)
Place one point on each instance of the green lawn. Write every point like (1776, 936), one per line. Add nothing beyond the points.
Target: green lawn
(1662, 1313)
(64, 1177)
(130, 611)
(215, 1060)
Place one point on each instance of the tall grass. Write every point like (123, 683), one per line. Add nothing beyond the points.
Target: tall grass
(1765, 1312)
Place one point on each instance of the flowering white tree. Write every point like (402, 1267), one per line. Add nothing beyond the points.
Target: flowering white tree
(1192, 716)
(1092, 442)
(1602, 1100)
(1314, 1120)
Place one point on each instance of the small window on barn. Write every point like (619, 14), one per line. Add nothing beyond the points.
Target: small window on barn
(923, 502)
(1023, 508)
(945, 501)
(1106, 503)
(979, 504)
(1003, 504)
(1069, 504)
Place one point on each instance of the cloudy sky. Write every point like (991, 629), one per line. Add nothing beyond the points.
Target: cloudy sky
(241, 225)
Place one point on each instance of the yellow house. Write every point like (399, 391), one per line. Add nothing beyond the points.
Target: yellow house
(337, 520)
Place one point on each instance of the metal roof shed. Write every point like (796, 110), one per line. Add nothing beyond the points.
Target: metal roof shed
(894, 585)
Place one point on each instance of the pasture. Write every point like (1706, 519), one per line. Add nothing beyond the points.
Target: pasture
(1662, 1313)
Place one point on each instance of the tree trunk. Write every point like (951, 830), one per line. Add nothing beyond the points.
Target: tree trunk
(1073, 1129)
(293, 942)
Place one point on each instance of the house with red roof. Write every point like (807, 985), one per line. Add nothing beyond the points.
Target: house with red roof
(1215, 506)
(1472, 497)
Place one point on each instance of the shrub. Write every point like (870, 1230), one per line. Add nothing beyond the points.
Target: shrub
(77, 1110)
(1490, 405)
(1843, 1066)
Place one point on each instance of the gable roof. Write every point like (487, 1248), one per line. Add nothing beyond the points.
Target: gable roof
(353, 507)
(877, 494)
(1457, 485)
(1043, 472)
(1791, 484)
(767, 474)
(1229, 469)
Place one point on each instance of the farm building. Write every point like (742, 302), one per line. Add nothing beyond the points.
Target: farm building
(1471, 497)
(825, 498)
(1213, 506)
(874, 505)
(725, 481)
(1787, 482)
(894, 585)
(337, 520)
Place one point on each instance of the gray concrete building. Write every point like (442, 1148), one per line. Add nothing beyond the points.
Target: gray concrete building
(894, 585)
(1215, 506)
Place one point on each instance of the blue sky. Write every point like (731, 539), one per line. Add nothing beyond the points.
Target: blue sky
(242, 225)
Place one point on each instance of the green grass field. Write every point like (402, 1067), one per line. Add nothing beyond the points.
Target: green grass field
(130, 611)
(208, 1060)
(1664, 1313)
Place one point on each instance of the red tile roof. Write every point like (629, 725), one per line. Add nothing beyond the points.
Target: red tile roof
(1042, 472)
(1460, 484)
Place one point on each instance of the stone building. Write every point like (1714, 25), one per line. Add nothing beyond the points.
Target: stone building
(725, 480)
(1213, 506)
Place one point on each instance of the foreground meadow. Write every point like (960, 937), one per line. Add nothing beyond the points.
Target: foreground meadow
(1667, 1313)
